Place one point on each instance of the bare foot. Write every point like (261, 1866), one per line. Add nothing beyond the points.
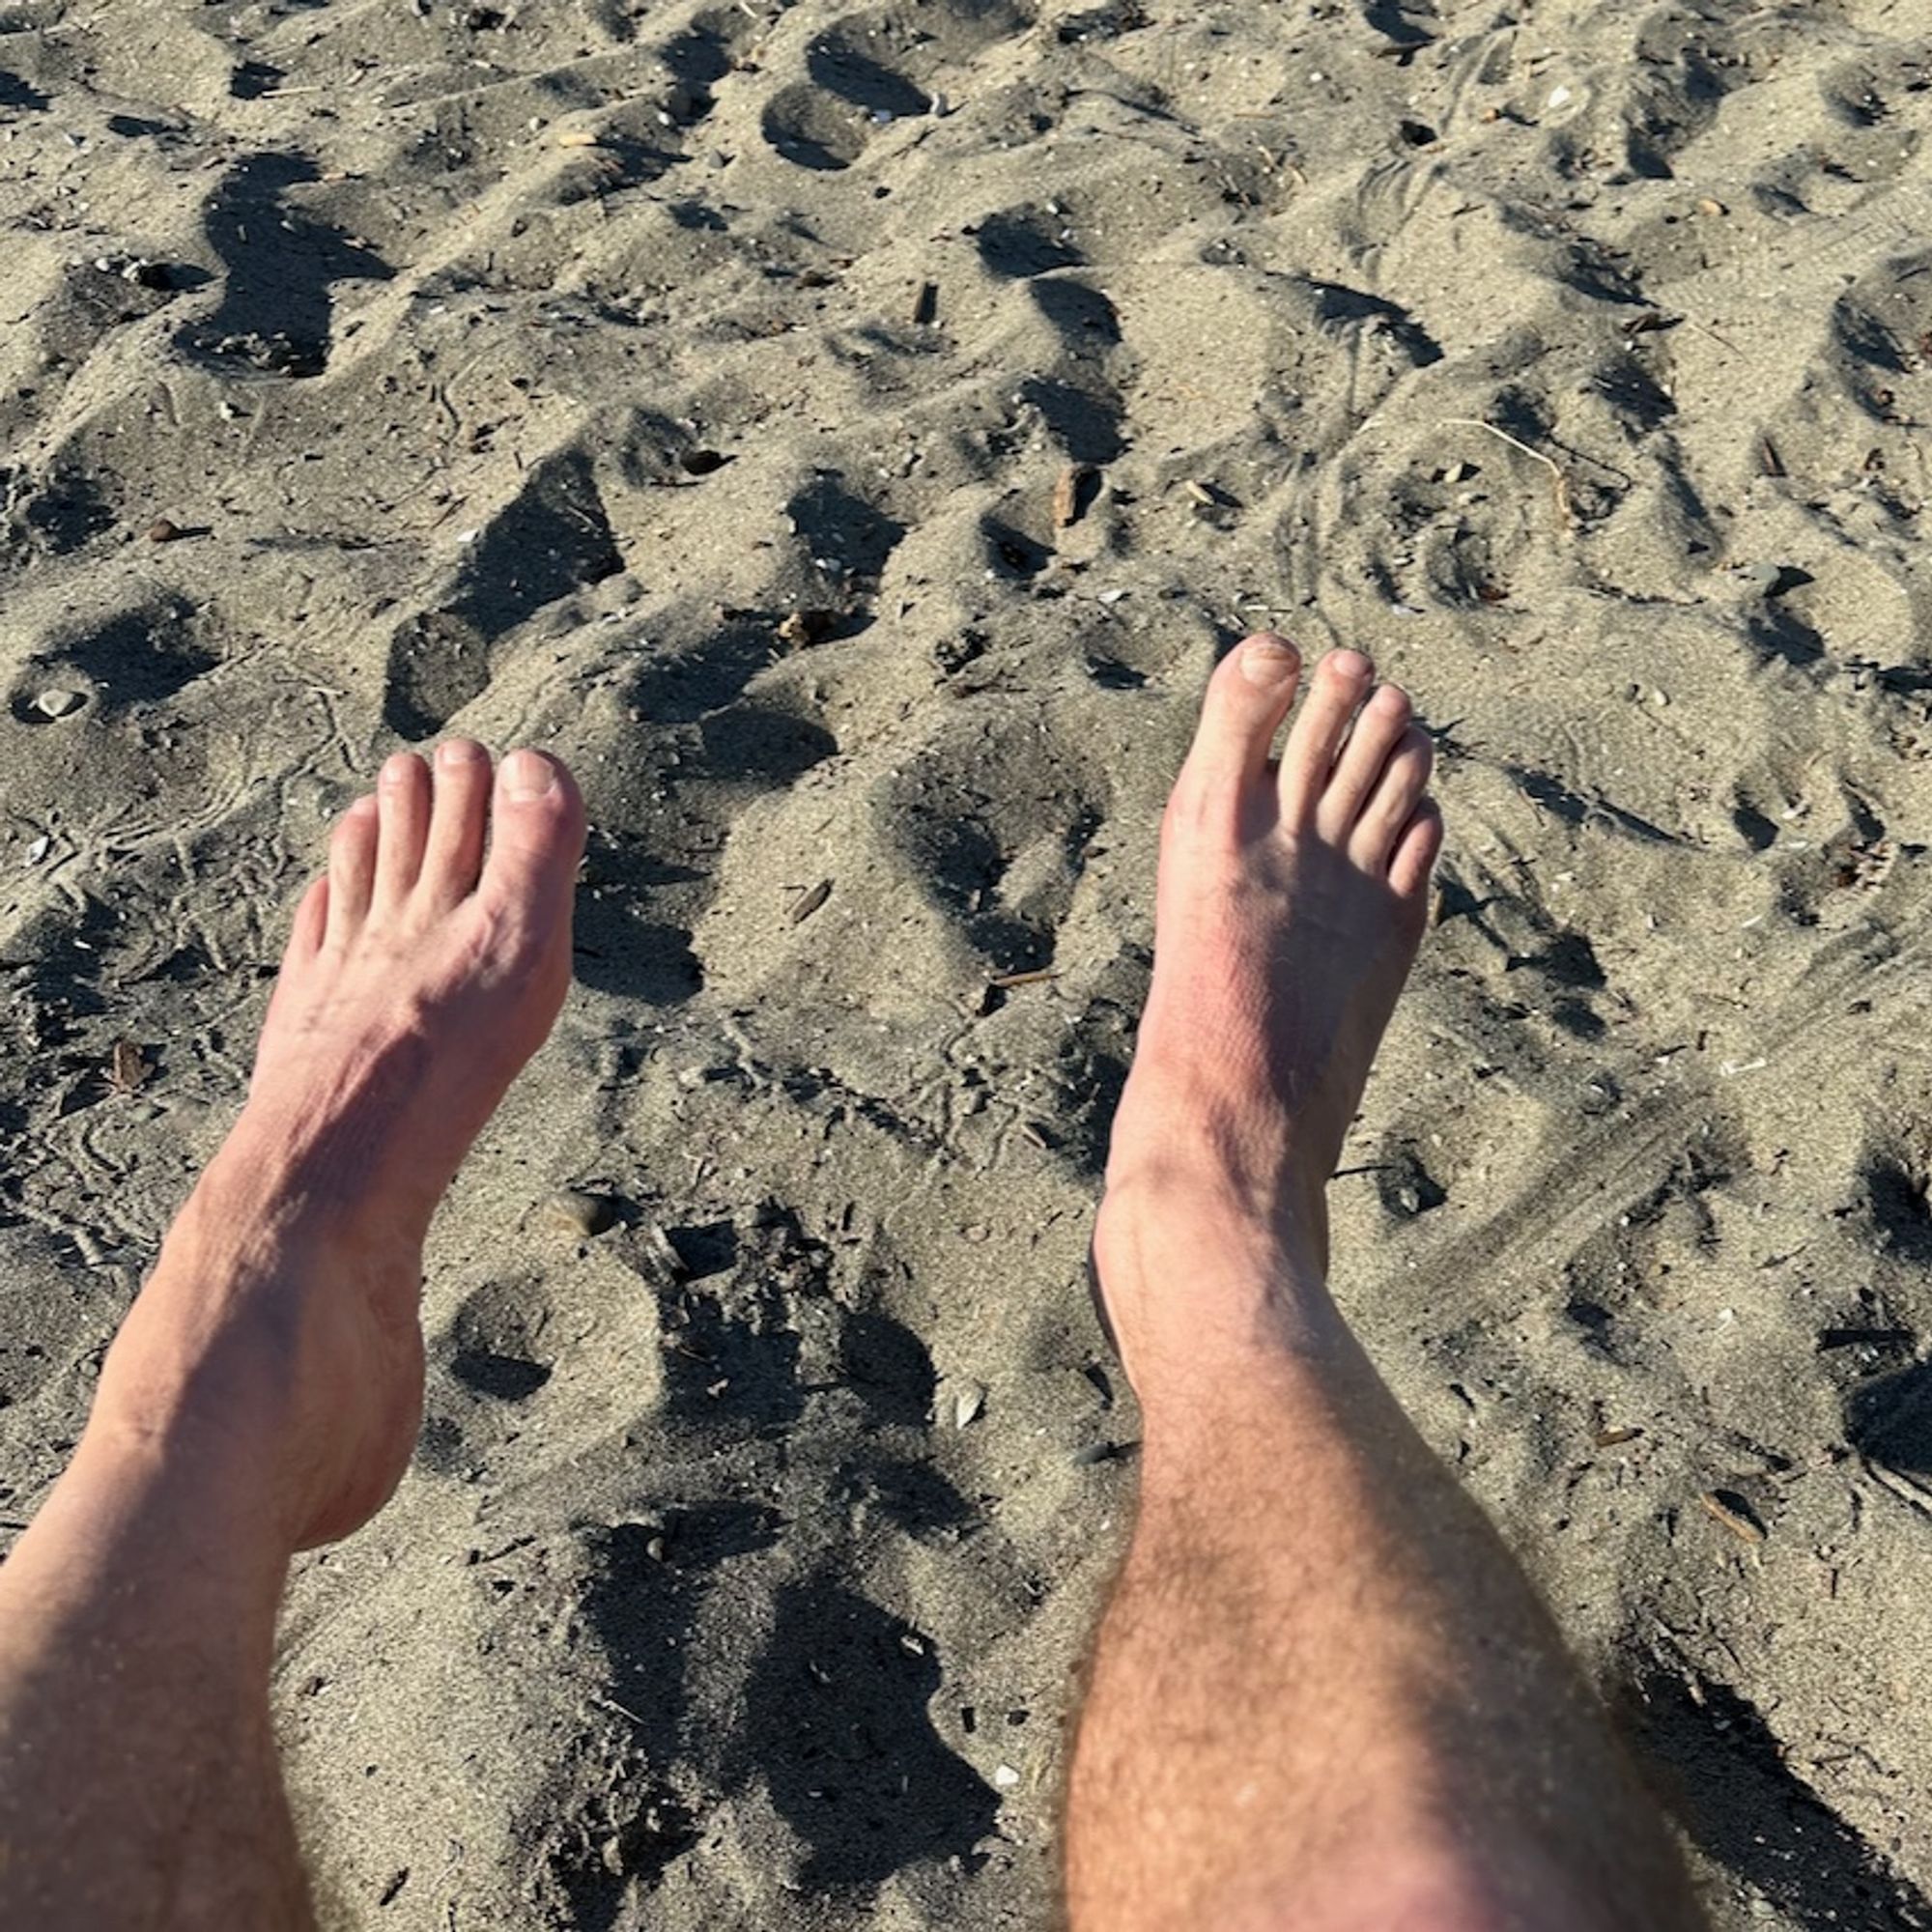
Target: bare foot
(1290, 906)
(278, 1336)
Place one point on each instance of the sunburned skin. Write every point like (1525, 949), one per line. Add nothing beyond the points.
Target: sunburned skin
(1323, 1698)
(1292, 895)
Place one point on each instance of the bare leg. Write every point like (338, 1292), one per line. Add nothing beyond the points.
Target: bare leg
(265, 1392)
(1324, 1696)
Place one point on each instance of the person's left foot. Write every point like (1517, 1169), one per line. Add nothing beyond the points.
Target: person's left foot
(279, 1332)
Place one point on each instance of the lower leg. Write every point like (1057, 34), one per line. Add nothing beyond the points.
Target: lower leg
(1324, 1696)
(138, 1782)
(265, 1393)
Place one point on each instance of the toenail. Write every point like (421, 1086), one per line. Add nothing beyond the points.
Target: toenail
(459, 751)
(1351, 665)
(1391, 699)
(1268, 660)
(526, 775)
(397, 769)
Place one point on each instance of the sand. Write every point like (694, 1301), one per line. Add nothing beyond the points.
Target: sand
(848, 435)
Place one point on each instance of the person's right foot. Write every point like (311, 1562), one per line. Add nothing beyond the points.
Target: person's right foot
(1290, 906)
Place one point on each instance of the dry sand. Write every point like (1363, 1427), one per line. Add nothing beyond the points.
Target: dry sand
(680, 388)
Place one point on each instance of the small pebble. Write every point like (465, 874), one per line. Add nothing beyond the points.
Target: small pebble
(806, 627)
(1006, 1777)
(38, 849)
(586, 1214)
(164, 529)
(58, 703)
(967, 1404)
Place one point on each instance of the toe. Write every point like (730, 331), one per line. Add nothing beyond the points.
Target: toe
(1340, 682)
(1415, 856)
(536, 840)
(1247, 699)
(402, 796)
(1392, 802)
(310, 925)
(1359, 764)
(453, 857)
(351, 869)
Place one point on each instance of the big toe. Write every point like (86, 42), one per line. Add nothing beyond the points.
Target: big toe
(1247, 699)
(536, 840)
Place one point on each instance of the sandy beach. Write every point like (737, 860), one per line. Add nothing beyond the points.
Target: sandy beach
(848, 435)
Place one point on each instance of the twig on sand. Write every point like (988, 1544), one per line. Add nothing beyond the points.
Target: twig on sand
(611, 1704)
(1558, 480)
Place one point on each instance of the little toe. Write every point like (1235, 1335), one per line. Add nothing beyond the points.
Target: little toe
(458, 819)
(403, 799)
(351, 869)
(1358, 767)
(535, 843)
(1415, 851)
(1337, 689)
(1392, 804)
(1247, 699)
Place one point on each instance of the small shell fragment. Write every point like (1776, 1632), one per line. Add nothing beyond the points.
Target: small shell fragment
(579, 137)
(967, 1404)
(127, 1068)
(809, 902)
(661, 1253)
(58, 702)
(1068, 493)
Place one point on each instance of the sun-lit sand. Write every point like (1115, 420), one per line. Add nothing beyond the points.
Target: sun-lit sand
(848, 436)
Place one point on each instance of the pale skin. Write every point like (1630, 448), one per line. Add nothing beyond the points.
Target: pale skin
(1322, 1696)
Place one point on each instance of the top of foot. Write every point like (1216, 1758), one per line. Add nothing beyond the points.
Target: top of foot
(423, 970)
(1293, 895)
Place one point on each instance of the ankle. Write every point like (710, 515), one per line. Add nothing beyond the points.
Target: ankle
(1211, 1306)
(1195, 1196)
(185, 1511)
(1180, 1230)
